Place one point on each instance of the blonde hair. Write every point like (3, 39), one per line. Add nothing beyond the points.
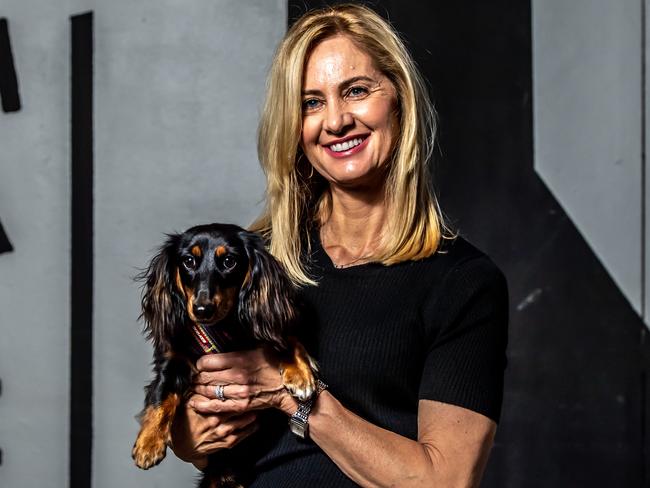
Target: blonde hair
(297, 198)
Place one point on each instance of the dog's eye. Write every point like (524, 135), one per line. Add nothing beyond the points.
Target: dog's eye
(189, 262)
(229, 262)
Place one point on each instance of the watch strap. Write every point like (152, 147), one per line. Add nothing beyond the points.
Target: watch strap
(299, 421)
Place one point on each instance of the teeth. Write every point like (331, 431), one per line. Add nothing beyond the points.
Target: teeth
(344, 146)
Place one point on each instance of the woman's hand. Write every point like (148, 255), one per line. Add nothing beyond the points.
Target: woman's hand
(251, 381)
(205, 424)
(195, 435)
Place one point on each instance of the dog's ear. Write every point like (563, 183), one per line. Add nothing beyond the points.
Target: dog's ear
(267, 297)
(163, 307)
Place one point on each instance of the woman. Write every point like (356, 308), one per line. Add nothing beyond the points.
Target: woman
(408, 324)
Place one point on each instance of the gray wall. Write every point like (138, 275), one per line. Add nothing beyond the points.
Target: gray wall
(178, 87)
(34, 280)
(588, 106)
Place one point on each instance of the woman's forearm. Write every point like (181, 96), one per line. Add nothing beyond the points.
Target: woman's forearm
(375, 457)
(451, 450)
(369, 455)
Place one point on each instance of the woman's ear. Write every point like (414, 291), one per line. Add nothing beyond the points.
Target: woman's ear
(163, 307)
(266, 299)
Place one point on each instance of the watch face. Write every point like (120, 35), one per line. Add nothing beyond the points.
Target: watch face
(297, 427)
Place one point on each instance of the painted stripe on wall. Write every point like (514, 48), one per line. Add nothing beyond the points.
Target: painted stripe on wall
(81, 278)
(8, 78)
(5, 245)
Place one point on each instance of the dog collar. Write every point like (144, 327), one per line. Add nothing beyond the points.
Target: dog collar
(221, 337)
(210, 342)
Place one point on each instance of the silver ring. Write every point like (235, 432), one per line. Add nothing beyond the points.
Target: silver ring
(218, 390)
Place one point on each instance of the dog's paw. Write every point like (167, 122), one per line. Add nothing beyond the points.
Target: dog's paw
(148, 451)
(300, 381)
(155, 432)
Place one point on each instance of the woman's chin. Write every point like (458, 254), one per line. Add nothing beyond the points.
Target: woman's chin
(358, 184)
(354, 177)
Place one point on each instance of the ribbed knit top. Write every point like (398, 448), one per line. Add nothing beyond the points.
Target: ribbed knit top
(386, 337)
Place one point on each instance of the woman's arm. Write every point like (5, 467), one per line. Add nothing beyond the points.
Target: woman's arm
(451, 450)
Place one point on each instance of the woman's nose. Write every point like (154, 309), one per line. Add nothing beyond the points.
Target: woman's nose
(338, 118)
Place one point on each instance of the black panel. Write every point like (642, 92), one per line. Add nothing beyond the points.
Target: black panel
(9, 96)
(5, 245)
(575, 409)
(8, 78)
(82, 251)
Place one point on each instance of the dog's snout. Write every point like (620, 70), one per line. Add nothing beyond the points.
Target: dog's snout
(203, 310)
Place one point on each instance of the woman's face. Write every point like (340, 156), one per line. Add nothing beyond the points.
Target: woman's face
(349, 120)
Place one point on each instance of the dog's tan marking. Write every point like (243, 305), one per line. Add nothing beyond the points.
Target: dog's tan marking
(189, 295)
(196, 251)
(179, 282)
(224, 300)
(155, 432)
(298, 376)
(220, 251)
(188, 292)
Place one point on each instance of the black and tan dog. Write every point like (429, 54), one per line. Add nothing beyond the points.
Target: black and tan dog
(213, 288)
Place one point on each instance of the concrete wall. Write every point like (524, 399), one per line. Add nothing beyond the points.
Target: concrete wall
(178, 87)
(178, 94)
(588, 109)
(34, 279)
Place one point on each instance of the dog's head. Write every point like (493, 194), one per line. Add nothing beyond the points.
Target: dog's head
(211, 272)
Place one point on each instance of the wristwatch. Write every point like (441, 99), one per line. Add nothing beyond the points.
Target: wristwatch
(299, 421)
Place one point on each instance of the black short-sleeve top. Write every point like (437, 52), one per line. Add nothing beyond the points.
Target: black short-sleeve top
(386, 337)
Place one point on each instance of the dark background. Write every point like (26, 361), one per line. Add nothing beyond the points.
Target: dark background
(575, 409)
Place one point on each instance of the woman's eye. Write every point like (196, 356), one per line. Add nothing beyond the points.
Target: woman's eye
(229, 262)
(189, 262)
(357, 91)
(311, 104)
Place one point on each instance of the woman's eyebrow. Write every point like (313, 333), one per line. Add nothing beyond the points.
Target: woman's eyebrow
(351, 81)
(344, 84)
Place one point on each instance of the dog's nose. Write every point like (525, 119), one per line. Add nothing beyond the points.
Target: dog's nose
(203, 310)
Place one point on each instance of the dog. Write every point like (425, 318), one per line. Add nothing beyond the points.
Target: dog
(212, 288)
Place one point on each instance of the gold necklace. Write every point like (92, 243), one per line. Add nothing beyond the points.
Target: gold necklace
(350, 263)
(346, 264)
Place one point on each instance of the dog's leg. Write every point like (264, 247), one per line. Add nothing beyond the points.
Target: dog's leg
(298, 374)
(164, 395)
(151, 445)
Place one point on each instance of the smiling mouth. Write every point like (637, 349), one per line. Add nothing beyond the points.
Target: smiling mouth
(345, 146)
(348, 147)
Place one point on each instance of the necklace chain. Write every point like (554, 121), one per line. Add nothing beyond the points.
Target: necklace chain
(349, 263)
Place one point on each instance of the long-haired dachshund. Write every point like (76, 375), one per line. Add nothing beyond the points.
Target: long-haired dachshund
(213, 288)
